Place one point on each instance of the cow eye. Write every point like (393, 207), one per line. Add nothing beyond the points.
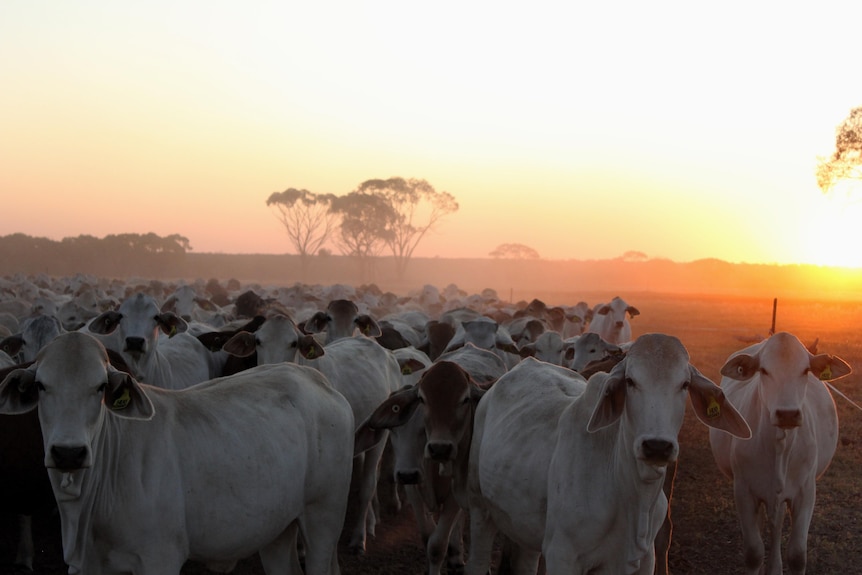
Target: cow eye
(101, 388)
(764, 372)
(40, 386)
(686, 385)
(630, 383)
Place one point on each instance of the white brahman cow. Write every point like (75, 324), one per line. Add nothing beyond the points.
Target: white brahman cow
(36, 332)
(173, 361)
(776, 385)
(342, 319)
(358, 367)
(147, 478)
(611, 321)
(588, 348)
(574, 470)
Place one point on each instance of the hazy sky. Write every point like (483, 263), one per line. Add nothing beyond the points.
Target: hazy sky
(683, 130)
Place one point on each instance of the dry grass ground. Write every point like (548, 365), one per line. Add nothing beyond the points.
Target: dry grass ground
(706, 535)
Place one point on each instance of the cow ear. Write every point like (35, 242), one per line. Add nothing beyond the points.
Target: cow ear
(171, 324)
(19, 392)
(316, 323)
(527, 350)
(410, 365)
(213, 340)
(828, 367)
(309, 347)
(365, 437)
(396, 410)
(124, 397)
(242, 344)
(367, 326)
(633, 311)
(713, 408)
(12, 344)
(105, 322)
(169, 305)
(741, 367)
(612, 401)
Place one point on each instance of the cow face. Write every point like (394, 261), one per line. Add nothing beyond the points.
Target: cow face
(277, 339)
(786, 370)
(449, 397)
(646, 393)
(137, 323)
(75, 388)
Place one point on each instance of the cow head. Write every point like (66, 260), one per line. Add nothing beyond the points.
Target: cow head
(277, 339)
(448, 396)
(646, 393)
(786, 370)
(75, 388)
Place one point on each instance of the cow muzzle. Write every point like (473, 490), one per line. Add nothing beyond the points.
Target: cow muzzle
(658, 452)
(440, 450)
(135, 344)
(787, 418)
(68, 458)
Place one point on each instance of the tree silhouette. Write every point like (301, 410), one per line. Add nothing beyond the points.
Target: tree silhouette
(846, 162)
(418, 208)
(365, 228)
(515, 252)
(306, 218)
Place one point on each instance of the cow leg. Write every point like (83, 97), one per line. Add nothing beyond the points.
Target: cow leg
(482, 534)
(368, 469)
(775, 514)
(321, 527)
(25, 553)
(663, 537)
(424, 523)
(801, 511)
(747, 508)
(281, 556)
(438, 543)
(455, 552)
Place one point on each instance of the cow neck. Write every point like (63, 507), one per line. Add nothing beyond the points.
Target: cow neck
(642, 488)
(461, 464)
(95, 499)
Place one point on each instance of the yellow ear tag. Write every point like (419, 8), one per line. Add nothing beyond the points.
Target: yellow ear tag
(173, 331)
(122, 402)
(310, 353)
(713, 409)
(826, 373)
(406, 370)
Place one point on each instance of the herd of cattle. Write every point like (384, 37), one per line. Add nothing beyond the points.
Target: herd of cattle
(191, 421)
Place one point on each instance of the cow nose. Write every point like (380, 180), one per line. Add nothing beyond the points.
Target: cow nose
(135, 344)
(787, 418)
(440, 451)
(408, 477)
(68, 458)
(619, 324)
(657, 449)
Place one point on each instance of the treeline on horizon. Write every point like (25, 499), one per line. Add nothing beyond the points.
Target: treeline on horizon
(171, 258)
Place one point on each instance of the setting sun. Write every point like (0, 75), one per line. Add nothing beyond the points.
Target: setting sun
(833, 234)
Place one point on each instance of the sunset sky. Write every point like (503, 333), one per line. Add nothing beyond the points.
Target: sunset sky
(684, 130)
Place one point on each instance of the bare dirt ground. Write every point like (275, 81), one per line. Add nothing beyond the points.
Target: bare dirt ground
(706, 536)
